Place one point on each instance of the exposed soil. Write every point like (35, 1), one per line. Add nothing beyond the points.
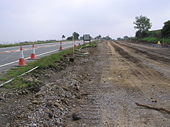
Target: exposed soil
(112, 85)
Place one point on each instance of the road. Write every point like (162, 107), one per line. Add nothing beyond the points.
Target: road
(9, 56)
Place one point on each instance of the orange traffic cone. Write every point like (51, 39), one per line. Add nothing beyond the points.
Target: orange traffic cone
(21, 59)
(33, 55)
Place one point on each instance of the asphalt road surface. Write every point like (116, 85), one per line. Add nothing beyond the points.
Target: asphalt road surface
(9, 56)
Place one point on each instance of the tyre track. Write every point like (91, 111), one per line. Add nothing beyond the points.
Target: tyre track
(157, 63)
(152, 56)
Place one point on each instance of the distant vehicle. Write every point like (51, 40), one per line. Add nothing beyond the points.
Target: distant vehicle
(86, 37)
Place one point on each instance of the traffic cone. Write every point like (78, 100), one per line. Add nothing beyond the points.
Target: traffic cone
(21, 59)
(61, 48)
(33, 55)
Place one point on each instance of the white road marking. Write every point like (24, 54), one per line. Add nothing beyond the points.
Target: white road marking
(8, 63)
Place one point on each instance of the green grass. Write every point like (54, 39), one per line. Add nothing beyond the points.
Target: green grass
(3, 79)
(89, 45)
(166, 40)
(19, 83)
(42, 63)
(155, 36)
(150, 39)
(155, 40)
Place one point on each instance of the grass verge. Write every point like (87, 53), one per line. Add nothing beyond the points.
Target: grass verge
(44, 62)
(155, 40)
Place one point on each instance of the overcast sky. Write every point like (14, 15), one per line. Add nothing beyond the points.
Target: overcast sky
(27, 20)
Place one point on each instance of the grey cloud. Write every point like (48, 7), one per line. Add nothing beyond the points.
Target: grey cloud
(49, 19)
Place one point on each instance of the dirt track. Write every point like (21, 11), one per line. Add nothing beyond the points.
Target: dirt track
(101, 88)
(125, 79)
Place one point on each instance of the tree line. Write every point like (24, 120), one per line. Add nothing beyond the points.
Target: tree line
(143, 24)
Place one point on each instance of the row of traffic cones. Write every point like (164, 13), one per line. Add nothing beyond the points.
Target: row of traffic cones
(22, 59)
(33, 55)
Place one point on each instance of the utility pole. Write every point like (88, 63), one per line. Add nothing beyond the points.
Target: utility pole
(73, 45)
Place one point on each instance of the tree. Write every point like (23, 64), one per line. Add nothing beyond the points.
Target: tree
(98, 37)
(63, 36)
(76, 36)
(119, 38)
(107, 38)
(140, 34)
(143, 24)
(81, 38)
(166, 30)
(70, 38)
(125, 37)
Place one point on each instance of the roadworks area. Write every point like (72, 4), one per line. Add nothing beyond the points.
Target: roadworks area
(115, 84)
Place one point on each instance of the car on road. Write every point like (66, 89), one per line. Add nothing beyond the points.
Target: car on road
(86, 37)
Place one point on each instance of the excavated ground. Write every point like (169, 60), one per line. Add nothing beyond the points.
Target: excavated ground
(126, 78)
(100, 88)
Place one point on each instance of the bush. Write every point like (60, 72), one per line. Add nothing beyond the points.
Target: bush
(166, 30)
(155, 33)
(166, 40)
(70, 38)
(151, 39)
(140, 34)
